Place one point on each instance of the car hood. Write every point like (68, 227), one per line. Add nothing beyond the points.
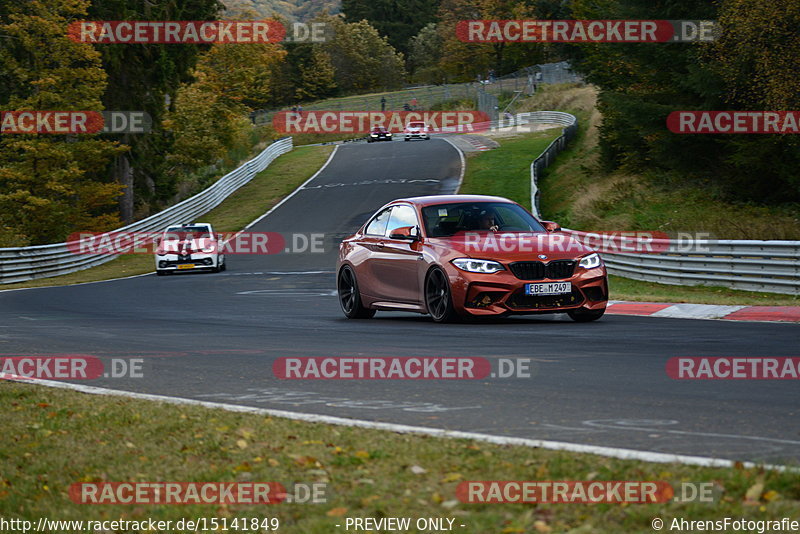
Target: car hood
(177, 245)
(513, 246)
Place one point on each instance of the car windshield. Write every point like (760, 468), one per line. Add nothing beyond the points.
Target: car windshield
(187, 232)
(416, 125)
(444, 220)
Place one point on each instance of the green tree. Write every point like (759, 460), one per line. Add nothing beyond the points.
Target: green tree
(425, 53)
(362, 60)
(208, 117)
(316, 75)
(52, 185)
(397, 20)
(144, 77)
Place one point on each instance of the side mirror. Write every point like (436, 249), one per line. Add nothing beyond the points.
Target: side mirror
(551, 226)
(410, 233)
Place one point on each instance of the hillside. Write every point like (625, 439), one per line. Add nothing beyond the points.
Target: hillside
(292, 10)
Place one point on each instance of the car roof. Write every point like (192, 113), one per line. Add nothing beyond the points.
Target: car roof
(184, 225)
(450, 199)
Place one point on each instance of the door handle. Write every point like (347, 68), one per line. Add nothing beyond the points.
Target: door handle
(379, 245)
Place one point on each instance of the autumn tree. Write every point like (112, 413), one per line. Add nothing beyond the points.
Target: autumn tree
(209, 115)
(362, 60)
(316, 77)
(52, 185)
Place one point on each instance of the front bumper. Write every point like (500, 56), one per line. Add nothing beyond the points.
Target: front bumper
(194, 261)
(503, 293)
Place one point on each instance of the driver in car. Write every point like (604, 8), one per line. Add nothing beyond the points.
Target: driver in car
(487, 222)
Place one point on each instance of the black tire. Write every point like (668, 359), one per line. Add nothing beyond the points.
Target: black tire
(438, 298)
(584, 316)
(349, 296)
(161, 272)
(224, 266)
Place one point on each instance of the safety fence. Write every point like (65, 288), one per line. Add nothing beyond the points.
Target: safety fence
(19, 264)
(770, 266)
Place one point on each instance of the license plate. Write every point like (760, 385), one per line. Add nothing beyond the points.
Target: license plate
(186, 266)
(548, 288)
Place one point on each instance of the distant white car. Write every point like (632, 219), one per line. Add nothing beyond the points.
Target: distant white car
(416, 130)
(189, 247)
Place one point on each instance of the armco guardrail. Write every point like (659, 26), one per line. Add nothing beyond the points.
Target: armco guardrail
(771, 266)
(570, 123)
(43, 261)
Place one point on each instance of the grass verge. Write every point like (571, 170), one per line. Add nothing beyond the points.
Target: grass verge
(627, 289)
(56, 438)
(265, 190)
(505, 171)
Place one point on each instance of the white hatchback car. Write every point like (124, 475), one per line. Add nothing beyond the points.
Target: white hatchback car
(416, 130)
(189, 247)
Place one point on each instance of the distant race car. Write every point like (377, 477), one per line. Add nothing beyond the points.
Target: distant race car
(189, 247)
(379, 134)
(416, 130)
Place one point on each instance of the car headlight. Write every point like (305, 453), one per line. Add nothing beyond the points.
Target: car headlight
(373, 135)
(478, 266)
(389, 134)
(591, 261)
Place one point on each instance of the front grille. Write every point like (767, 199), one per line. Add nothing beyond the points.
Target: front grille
(536, 270)
(186, 260)
(541, 302)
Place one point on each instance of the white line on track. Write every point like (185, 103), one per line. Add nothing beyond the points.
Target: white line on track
(611, 452)
(300, 188)
(463, 163)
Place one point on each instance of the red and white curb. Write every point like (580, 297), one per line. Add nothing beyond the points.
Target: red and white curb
(782, 314)
(477, 143)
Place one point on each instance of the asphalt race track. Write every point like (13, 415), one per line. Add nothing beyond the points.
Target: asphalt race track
(214, 337)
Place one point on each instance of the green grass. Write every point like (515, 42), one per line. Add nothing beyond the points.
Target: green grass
(505, 171)
(250, 201)
(626, 289)
(54, 438)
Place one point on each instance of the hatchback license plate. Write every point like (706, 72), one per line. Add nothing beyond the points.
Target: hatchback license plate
(186, 266)
(548, 288)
